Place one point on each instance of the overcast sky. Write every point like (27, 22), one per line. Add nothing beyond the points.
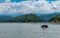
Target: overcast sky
(29, 6)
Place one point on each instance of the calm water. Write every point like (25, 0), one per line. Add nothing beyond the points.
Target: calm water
(29, 30)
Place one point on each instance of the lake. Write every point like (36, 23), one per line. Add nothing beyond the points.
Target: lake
(29, 30)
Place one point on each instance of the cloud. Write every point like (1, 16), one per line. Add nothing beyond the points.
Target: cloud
(30, 7)
(56, 4)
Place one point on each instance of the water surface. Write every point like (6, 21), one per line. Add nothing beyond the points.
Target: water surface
(29, 30)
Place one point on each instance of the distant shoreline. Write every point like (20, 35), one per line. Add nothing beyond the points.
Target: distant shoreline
(32, 22)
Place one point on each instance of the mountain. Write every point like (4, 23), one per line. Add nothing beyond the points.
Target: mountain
(4, 18)
(25, 18)
(43, 17)
(46, 17)
(55, 19)
(13, 14)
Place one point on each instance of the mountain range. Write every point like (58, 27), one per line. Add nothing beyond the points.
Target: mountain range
(44, 17)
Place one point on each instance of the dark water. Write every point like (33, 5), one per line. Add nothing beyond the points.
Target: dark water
(29, 30)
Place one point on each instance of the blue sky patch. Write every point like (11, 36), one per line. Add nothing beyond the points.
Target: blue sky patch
(2, 1)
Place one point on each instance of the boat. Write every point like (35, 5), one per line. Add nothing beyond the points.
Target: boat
(44, 26)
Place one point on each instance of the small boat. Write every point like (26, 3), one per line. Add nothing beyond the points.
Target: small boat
(44, 26)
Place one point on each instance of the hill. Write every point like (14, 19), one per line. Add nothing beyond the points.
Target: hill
(32, 17)
(55, 19)
(3, 18)
(25, 18)
(47, 17)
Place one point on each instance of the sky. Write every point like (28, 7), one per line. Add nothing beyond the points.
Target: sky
(29, 6)
(2, 1)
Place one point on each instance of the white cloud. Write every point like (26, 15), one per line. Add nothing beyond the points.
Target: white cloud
(30, 7)
(56, 5)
